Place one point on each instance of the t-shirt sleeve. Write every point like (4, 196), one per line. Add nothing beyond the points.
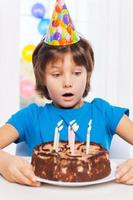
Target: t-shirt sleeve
(22, 120)
(112, 114)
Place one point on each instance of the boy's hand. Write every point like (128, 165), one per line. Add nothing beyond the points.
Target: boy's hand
(16, 169)
(124, 172)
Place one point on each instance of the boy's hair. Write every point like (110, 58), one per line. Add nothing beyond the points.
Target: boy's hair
(82, 54)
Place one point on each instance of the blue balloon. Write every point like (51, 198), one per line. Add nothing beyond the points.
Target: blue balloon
(66, 19)
(57, 36)
(38, 10)
(43, 26)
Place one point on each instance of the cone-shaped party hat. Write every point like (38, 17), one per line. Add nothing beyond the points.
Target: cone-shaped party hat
(61, 29)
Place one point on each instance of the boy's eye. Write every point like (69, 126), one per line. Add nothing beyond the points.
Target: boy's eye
(77, 73)
(56, 75)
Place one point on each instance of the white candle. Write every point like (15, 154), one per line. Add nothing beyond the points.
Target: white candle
(69, 137)
(88, 137)
(72, 128)
(58, 128)
(56, 140)
(72, 142)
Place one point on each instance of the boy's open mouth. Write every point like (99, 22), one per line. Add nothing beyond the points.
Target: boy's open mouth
(67, 95)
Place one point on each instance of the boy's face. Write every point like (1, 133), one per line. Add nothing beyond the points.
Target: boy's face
(65, 82)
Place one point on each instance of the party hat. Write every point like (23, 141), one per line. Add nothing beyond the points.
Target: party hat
(61, 29)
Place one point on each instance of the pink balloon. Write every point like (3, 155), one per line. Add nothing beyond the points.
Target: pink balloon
(27, 88)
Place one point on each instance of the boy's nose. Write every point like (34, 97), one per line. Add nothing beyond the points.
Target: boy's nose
(67, 81)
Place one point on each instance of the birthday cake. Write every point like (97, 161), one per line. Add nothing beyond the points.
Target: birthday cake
(63, 166)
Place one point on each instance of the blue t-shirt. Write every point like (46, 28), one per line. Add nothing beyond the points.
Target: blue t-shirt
(36, 124)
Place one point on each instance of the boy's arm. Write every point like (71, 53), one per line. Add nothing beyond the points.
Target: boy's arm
(14, 168)
(124, 172)
(125, 129)
(8, 134)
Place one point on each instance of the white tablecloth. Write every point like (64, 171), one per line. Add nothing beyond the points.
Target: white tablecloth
(104, 191)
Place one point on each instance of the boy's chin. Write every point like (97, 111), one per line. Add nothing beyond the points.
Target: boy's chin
(69, 105)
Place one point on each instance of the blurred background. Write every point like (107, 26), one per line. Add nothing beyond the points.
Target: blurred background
(107, 24)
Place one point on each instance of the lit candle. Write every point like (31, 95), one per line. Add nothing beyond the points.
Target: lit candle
(88, 137)
(73, 127)
(58, 128)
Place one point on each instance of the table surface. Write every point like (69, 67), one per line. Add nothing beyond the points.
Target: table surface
(109, 191)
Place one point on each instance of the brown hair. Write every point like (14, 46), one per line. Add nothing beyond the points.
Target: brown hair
(82, 53)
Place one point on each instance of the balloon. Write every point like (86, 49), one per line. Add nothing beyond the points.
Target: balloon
(66, 19)
(58, 8)
(27, 88)
(64, 7)
(38, 10)
(43, 26)
(56, 36)
(55, 23)
(27, 52)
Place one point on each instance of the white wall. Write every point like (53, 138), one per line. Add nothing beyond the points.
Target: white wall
(9, 60)
(106, 23)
